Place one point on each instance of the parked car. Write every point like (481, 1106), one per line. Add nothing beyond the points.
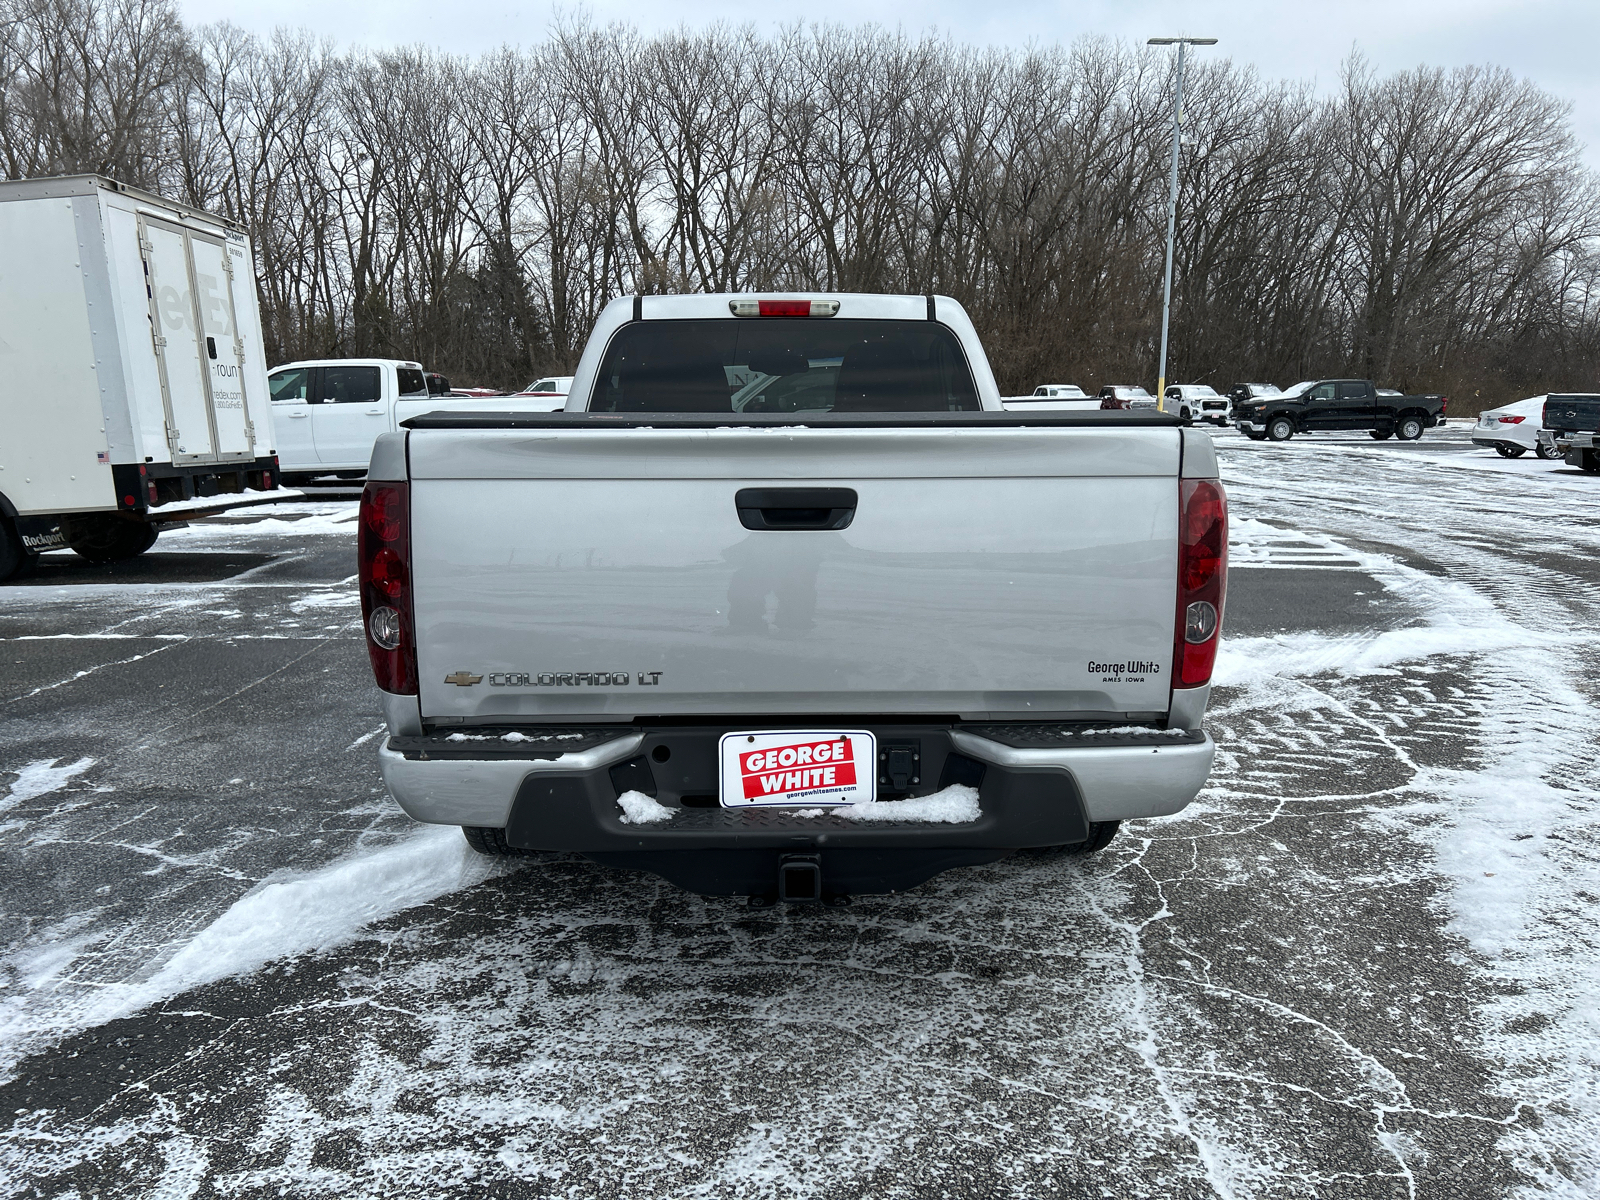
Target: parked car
(748, 576)
(1325, 404)
(1571, 425)
(1513, 429)
(1051, 397)
(1126, 397)
(135, 381)
(1197, 402)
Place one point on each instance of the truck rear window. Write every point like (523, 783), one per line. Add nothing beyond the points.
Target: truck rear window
(782, 365)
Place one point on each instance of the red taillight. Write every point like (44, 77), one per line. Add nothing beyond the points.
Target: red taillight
(783, 308)
(1444, 405)
(388, 573)
(155, 498)
(1202, 579)
(383, 548)
(1512, 420)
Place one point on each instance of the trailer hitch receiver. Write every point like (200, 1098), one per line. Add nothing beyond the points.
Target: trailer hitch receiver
(799, 878)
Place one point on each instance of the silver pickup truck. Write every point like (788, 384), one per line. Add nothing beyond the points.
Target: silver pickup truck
(784, 605)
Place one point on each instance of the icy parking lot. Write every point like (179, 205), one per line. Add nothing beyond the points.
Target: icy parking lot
(1362, 965)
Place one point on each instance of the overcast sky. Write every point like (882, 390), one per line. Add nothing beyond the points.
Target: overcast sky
(1553, 42)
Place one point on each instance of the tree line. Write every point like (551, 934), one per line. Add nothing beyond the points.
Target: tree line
(1433, 229)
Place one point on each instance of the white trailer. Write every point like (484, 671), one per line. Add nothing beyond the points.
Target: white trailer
(135, 383)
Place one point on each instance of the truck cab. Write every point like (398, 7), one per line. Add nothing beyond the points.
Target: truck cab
(326, 413)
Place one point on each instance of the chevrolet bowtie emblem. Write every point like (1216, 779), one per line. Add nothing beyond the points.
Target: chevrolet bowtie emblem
(463, 679)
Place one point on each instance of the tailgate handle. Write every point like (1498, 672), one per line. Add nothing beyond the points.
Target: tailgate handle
(796, 508)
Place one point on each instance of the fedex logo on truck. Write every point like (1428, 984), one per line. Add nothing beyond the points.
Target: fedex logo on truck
(813, 768)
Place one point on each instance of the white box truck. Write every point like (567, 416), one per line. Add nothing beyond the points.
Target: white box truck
(135, 382)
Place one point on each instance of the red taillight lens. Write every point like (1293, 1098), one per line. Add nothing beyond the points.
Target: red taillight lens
(1202, 578)
(388, 573)
(383, 550)
(784, 308)
(383, 511)
(1512, 420)
(1444, 405)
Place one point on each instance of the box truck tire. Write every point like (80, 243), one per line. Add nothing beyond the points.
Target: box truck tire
(105, 538)
(13, 555)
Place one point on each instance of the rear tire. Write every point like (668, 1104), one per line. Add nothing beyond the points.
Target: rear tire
(13, 554)
(1546, 452)
(107, 539)
(492, 842)
(1505, 451)
(1280, 429)
(1409, 429)
(1381, 435)
(1100, 835)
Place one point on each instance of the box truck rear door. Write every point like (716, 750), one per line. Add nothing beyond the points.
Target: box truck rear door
(224, 351)
(180, 346)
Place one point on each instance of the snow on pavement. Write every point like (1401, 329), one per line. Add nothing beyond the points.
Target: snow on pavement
(1361, 965)
(287, 914)
(1517, 833)
(36, 779)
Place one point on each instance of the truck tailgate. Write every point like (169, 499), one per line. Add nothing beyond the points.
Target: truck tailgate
(606, 573)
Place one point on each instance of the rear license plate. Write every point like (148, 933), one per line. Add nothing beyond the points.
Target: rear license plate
(798, 767)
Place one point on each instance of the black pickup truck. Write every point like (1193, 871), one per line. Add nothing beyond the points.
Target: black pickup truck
(1572, 426)
(1338, 404)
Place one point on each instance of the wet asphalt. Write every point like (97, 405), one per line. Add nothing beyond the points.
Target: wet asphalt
(1271, 995)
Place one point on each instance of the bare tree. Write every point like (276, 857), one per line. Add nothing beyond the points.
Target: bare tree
(1430, 228)
(87, 85)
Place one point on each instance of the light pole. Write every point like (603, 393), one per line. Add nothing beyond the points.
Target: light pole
(1172, 199)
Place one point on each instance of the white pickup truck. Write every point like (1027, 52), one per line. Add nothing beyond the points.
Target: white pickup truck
(784, 605)
(327, 413)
